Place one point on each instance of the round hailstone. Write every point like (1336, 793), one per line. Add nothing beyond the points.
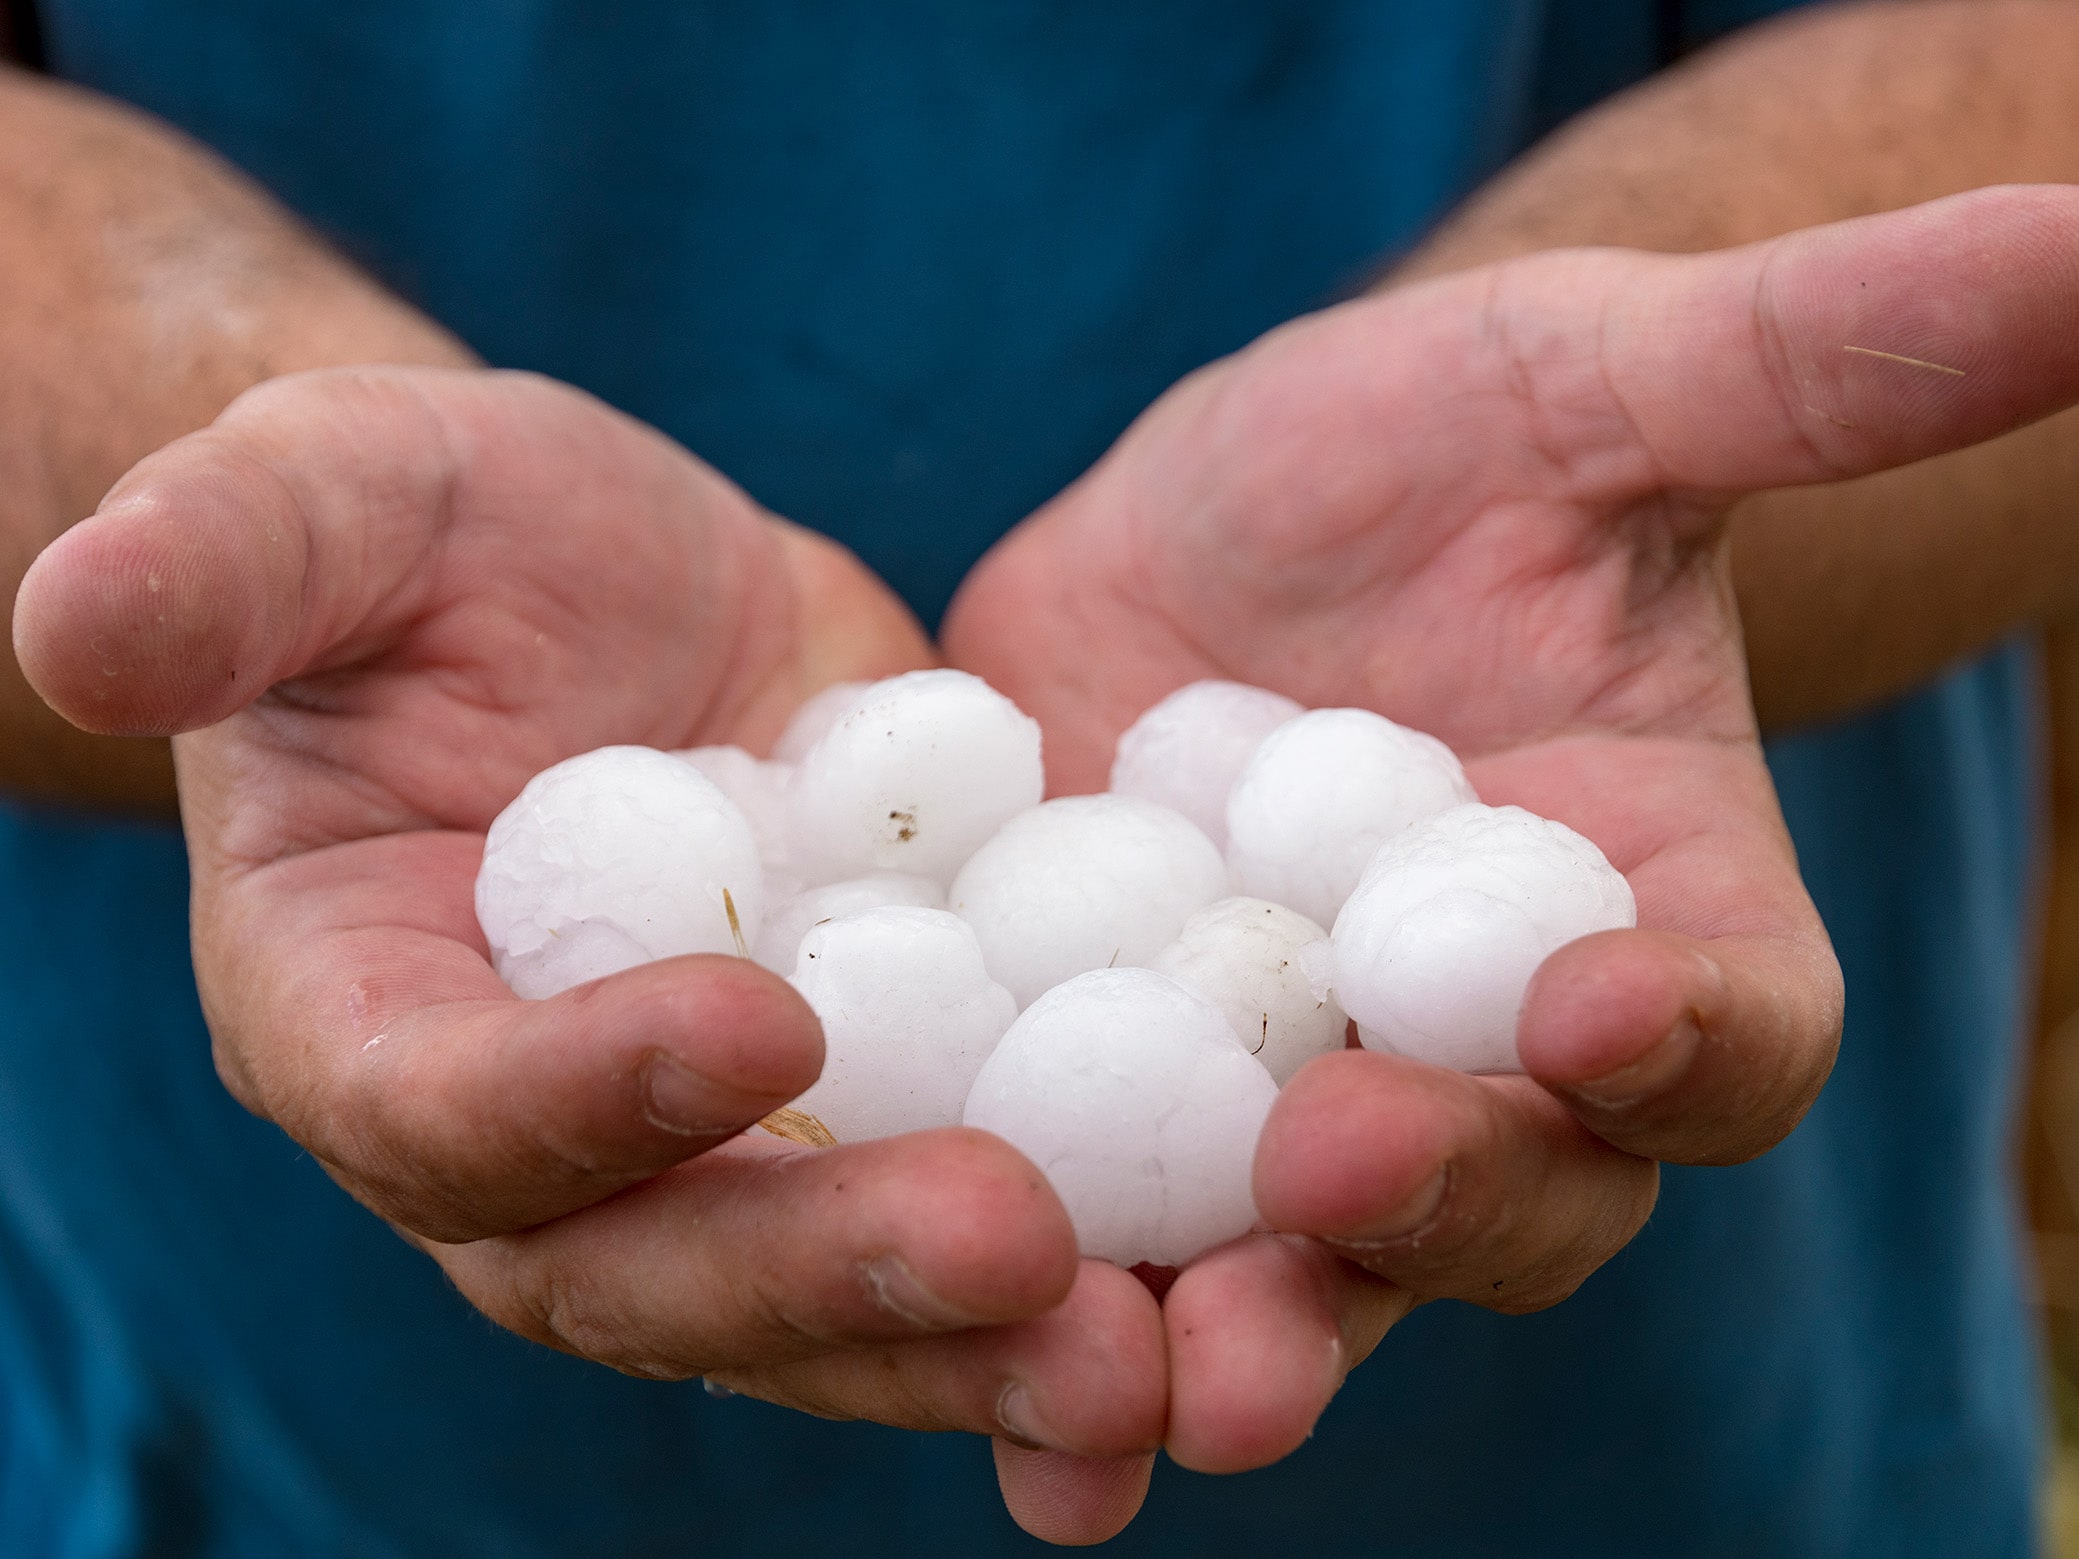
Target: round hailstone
(612, 859)
(909, 1016)
(916, 773)
(817, 714)
(1141, 1107)
(1436, 947)
(1187, 751)
(1084, 882)
(789, 921)
(759, 789)
(1319, 797)
(1246, 957)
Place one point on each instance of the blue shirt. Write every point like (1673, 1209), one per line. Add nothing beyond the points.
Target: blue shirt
(903, 269)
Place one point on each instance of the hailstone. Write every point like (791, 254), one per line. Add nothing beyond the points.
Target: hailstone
(1188, 750)
(913, 776)
(909, 1016)
(1246, 957)
(787, 922)
(1140, 1106)
(1084, 882)
(612, 859)
(813, 720)
(1435, 949)
(758, 786)
(1321, 794)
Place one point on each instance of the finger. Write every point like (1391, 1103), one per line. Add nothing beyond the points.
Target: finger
(1477, 1188)
(1262, 1333)
(325, 514)
(1705, 1039)
(755, 1255)
(1073, 1501)
(1089, 1378)
(1825, 354)
(374, 1032)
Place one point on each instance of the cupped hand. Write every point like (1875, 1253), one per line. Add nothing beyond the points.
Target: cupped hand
(377, 601)
(1493, 507)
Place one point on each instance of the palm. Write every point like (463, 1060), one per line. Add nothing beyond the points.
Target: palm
(379, 601)
(1492, 508)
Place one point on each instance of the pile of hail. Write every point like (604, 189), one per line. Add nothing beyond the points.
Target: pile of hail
(1117, 984)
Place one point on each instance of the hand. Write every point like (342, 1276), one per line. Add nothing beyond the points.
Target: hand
(1493, 507)
(378, 601)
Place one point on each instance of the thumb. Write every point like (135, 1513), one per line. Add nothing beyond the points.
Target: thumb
(278, 540)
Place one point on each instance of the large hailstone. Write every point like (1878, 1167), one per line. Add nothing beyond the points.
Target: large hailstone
(1140, 1106)
(1246, 957)
(1187, 751)
(758, 786)
(813, 720)
(916, 772)
(1433, 952)
(787, 922)
(1084, 882)
(1321, 794)
(909, 1016)
(609, 860)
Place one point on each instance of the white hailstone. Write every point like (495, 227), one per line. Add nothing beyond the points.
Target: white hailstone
(612, 859)
(1435, 949)
(817, 714)
(786, 923)
(1321, 794)
(912, 777)
(1140, 1106)
(1187, 751)
(909, 1016)
(758, 786)
(1247, 957)
(1084, 882)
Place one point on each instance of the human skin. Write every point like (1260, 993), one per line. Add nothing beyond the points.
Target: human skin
(1077, 1501)
(445, 580)
(1853, 590)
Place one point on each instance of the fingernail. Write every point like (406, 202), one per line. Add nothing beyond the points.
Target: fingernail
(896, 1289)
(1408, 1220)
(1648, 1076)
(1020, 1421)
(677, 1099)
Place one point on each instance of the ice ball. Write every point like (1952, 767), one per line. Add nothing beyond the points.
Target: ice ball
(611, 859)
(1435, 949)
(1321, 794)
(1142, 1108)
(909, 1016)
(1084, 882)
(758, 786)
(1248, 958)
(913, 776)
(787, 922)
(813, 720)
(1187, 751)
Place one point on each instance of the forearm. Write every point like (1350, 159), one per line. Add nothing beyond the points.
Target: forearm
(1854, 591)
(143, 286)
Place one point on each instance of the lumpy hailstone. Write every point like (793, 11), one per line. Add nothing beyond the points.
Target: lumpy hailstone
(1322, 793)
(909, 1016)
(1435, 949)
(1248, 958)
(786, 923)
(1187, 751)
(916, 772)
(759, 789)
(609, 860)
(1141, 1107)
(1084, 882)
